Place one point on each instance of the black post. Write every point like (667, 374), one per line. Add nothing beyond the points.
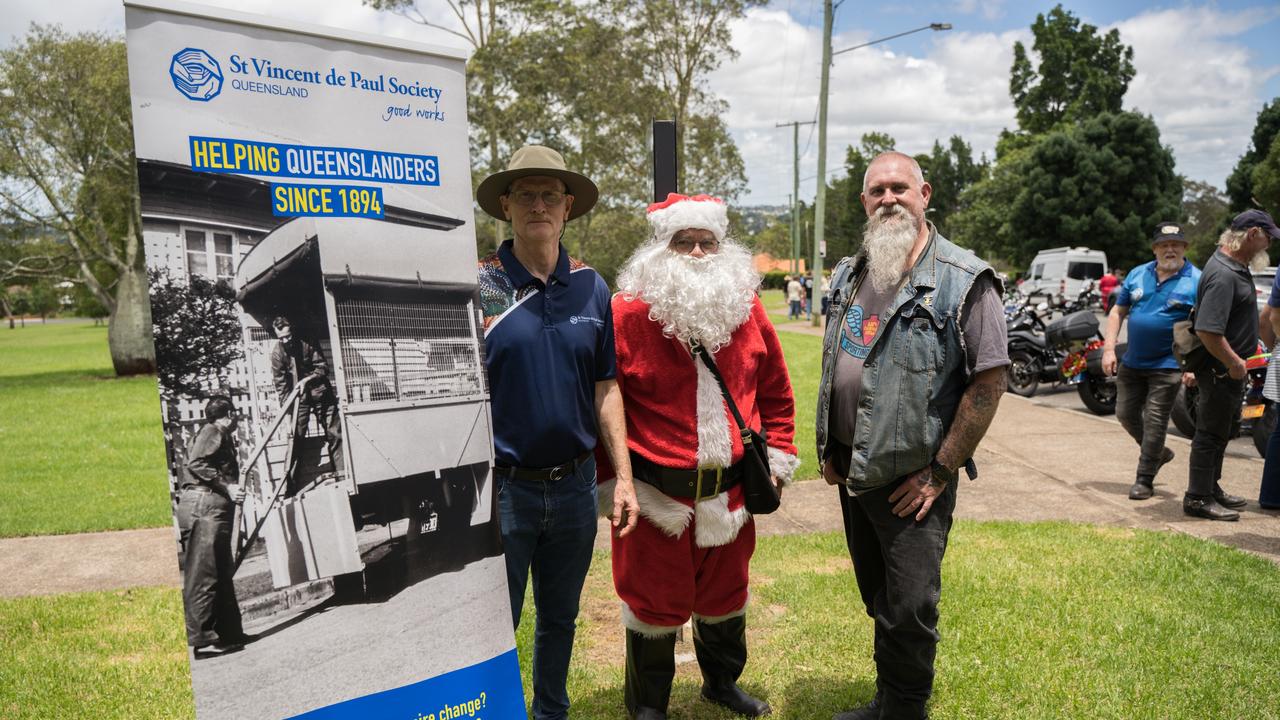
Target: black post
(664, 159)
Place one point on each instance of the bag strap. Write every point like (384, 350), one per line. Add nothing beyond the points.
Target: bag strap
(701, 351)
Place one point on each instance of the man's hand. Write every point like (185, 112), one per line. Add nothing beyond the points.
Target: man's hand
(626, 508)
(236, 493)
(778, 484)
(916, 494)
(1189, 379)
(829, 473)
(1109, 362)
(1237, 370)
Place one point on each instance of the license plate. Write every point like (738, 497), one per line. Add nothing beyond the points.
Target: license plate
(1252, 411)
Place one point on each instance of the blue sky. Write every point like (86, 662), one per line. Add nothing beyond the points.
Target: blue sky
(1204, 70)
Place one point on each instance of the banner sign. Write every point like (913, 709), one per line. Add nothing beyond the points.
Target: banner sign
(307, 217)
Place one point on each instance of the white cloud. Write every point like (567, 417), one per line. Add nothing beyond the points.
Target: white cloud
(1202, 86)
(959, 88)
(989, 9)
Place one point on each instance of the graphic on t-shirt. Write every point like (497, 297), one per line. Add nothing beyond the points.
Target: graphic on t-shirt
(858, 332)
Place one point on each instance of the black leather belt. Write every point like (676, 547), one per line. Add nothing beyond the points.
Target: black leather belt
(696, 484)
(547, 474)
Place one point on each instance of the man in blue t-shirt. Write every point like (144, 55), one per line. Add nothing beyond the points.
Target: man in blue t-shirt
(550, 358)
(1154, 297)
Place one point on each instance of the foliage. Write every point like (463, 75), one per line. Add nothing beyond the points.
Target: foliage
(84, 451)
(949, 171)
(66, 165)
(1240, 183)
(25, 261)
(774, 239)
(197, 331)
(1079, 72)
(774, 280)
(1204, 209)
(1266, 180)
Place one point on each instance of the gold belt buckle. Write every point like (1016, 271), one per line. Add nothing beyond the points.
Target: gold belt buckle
(719, 478)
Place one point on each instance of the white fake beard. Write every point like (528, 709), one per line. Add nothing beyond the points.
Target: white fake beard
(887, 240)
(704, 298)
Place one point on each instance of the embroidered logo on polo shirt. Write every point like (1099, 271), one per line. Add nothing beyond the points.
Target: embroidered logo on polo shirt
(575, 319)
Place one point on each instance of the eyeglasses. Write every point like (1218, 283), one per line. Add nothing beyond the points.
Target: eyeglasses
(526, 198)
(685, 247)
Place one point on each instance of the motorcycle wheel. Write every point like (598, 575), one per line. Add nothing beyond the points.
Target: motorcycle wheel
(1183, 412)
(1024, 373)
(1262, 429)
(1097, 394)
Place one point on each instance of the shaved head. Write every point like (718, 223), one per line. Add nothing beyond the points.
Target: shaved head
(913, 166)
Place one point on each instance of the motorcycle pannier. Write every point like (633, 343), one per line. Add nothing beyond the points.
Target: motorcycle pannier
(1071, 328)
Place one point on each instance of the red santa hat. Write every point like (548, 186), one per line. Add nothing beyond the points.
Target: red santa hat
(681, 212)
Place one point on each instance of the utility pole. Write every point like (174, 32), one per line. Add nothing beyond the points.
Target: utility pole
(820, 206)
(795, 191)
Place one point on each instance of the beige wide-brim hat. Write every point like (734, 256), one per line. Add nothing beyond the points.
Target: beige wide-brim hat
(536, 160)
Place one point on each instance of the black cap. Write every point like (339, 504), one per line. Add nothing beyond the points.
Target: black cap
(1168, 231)
(1256, 219)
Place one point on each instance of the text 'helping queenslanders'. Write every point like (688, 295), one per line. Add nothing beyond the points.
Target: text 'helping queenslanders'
(248, 157)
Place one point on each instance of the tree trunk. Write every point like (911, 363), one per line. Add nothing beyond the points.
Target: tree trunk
(129, 328)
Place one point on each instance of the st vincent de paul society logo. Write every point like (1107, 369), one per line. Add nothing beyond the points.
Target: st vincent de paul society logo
(196, 74)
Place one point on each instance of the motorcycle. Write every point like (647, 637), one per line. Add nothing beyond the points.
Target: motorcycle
(1257, 414)
(1067, 350)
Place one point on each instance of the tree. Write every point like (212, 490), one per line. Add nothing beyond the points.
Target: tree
(1079, 74)
(1240, 183)
(197, 333)
(1103, 183)
(949, 171)
(1204, 209)
(1265, 179)
(24, 261)
(67, 165)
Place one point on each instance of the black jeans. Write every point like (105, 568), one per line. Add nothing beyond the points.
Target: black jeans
(208, 592)
(898, 564)
(1217, 408)
(1144, 399)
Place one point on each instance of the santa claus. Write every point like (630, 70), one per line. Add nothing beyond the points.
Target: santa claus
(689, 554)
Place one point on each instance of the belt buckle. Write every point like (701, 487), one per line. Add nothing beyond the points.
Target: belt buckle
(559, 472)
(719, 477)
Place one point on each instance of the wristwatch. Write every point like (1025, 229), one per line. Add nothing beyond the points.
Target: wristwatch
(942, 473)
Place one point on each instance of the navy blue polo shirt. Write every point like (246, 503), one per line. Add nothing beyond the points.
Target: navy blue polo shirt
(1154, 307)
(546, 347)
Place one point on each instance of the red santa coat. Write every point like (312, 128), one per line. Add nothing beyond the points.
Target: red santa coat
(676, 417)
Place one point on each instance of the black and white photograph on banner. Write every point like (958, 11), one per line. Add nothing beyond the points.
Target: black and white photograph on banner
(319, 350)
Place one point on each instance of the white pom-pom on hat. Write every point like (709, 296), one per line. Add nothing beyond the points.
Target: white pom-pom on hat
(680, 212)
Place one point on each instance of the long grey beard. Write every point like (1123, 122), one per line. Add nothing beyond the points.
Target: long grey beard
(887, 240)
(1260, 261)
(703, 298)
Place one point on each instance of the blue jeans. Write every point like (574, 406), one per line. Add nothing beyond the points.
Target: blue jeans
(1269, 493)
(549, 527)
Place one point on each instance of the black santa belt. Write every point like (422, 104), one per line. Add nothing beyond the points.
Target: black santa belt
(697, 484)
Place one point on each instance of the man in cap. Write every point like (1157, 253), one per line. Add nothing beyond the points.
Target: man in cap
(913, 367)
(294, 362)
(550, 357)
(1226, 321)
(1153, 297)
(691, 285)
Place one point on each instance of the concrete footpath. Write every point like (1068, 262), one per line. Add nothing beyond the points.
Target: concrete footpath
(1036, 463)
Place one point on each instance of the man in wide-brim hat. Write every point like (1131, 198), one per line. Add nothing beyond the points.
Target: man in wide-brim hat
(550, 356)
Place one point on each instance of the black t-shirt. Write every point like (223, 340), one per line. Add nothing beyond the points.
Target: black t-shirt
(1226, 303)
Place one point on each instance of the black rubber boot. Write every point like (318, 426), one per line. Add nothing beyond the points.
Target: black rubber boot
(870, 711)
(722, 654)
(651, 665)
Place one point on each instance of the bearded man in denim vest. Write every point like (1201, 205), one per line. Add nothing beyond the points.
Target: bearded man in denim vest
(913, 367)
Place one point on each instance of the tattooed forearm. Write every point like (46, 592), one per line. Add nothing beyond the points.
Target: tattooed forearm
(973, 417)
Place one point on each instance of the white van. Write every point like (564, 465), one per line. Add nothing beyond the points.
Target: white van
(1064, 271)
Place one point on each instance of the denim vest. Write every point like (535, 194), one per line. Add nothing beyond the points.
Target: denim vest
(915, 370)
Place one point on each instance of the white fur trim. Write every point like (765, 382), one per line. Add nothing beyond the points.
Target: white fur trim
(631, 622)
(669, 516)
(708, 214)
(783, 465)
(716, 524)
(715, 444)
(712, 620)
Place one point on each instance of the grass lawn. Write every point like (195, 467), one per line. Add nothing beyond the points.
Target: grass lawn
(1047, 620)
(82, 449)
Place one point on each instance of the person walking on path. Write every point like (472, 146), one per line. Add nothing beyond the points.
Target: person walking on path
(690, 552)
(206, 511)
(1153, 297)
(1226, 321)
(550, 357)
(795, 298)
(913, 368)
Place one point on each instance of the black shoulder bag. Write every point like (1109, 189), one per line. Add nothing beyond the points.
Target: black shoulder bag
(759, 493)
